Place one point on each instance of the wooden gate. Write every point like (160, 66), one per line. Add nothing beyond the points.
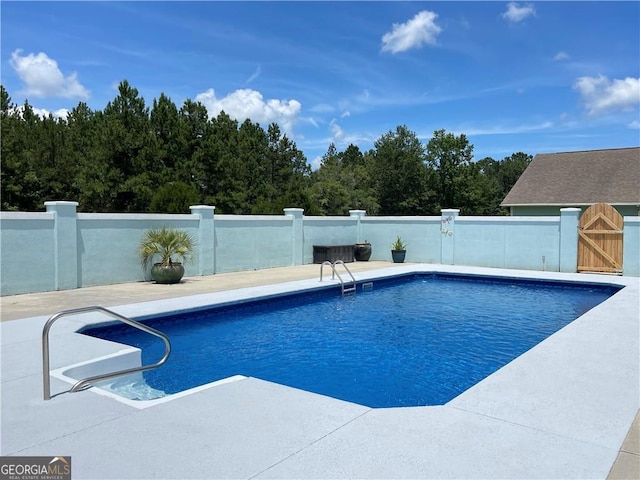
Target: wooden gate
(600, 240)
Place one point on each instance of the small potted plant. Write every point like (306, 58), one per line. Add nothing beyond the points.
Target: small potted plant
(398, 250)
(362, 251)
(167, 244)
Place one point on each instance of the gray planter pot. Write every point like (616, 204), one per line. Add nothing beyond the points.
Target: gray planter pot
(172, 273)
(398, 255)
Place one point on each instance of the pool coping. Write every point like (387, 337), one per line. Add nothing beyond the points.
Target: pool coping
(519, 422)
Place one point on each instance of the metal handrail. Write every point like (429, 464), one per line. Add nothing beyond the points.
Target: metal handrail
(340, 262)
(46, 380)
(335, 272)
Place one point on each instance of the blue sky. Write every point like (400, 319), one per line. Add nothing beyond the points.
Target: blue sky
(513, 76)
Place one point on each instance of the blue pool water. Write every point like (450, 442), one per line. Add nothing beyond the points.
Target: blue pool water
(420, 339)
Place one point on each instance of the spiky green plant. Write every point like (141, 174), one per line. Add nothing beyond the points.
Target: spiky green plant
(166, 243)
(398, 244)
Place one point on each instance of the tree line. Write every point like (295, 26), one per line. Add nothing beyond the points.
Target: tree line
(132, 158)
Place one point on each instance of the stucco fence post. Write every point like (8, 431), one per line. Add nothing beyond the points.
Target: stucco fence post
(448, 228)
(205, 255)
(65, 237)
(297, 240)
(631, 247)
(358, 215)
(569, 239)
(66, 253)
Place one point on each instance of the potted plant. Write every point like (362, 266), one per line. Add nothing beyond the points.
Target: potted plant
(398, 250)
(167, 244)
(362, 251)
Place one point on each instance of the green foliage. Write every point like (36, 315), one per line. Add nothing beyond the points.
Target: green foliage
(131, 158)
(399, 173)
(17, 180)
(510, 170)
(166, 243)
(478, 193)
(448, 156)
(117, 159)
(174, 197)
(398, 244)
(343, 182)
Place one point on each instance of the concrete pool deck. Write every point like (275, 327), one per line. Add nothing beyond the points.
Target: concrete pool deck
(561, 410)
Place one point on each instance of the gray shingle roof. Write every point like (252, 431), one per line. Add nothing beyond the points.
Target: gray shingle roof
(579, 178)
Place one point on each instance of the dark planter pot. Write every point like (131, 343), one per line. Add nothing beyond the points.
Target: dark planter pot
(398, 255)
(362, 252)
(172, 273)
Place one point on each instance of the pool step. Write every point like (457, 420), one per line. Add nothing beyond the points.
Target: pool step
(348, 290)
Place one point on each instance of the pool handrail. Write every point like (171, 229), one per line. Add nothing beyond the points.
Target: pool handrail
(46, 373)
(327, 262)
(351, 289)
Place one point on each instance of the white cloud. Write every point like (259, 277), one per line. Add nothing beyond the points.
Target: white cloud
(315, 163)
(322, 108)
(635, 125)
(337, 133)
(561, 56)
(43, 112)
(312, 121)
(516, 13)
(254, 75)
(418, 31)
(345, 114)
(601, 95)
(247, 103)
(502, 129)
(43, 78)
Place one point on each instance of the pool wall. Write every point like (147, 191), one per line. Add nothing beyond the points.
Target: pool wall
(63, 249)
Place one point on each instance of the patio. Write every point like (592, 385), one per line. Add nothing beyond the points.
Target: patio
(561, 410)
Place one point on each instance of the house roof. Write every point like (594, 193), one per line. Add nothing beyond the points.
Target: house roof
(579, 178)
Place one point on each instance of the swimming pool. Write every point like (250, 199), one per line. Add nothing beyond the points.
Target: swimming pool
(419, 339)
